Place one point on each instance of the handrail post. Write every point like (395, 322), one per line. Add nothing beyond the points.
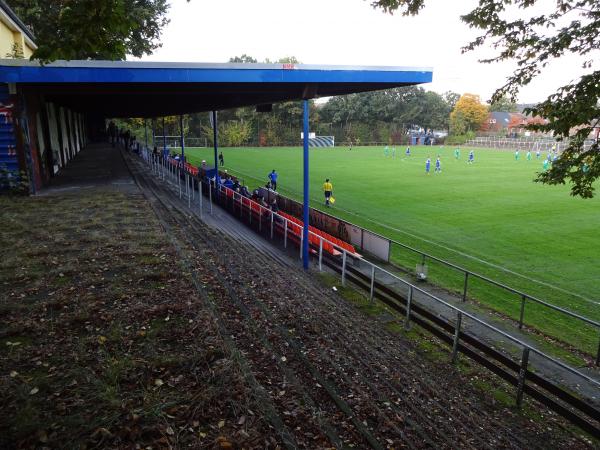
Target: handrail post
(179, 182)
(285, 227)
(343, 267)
(301, 241)
(187, 188)
(465, 287)
(321, 254)
(522, 373)
(456, 337)
(372, 291)
(408, 307)
(210, 196)
(272, 225)
(200, 195)
(523, 298)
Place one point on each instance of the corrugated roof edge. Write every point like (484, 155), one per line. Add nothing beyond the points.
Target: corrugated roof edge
(192, 65)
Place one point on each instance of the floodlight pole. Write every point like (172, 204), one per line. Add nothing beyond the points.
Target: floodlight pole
(305, 210)
(182, 138)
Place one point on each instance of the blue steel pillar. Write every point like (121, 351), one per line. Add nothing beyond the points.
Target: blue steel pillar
(146, 132)
(215, 136)
(182, 138)
(305, 210)
(153, 133)
(164, 140)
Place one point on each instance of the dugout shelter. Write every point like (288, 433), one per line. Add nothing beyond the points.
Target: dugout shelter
(49, 112)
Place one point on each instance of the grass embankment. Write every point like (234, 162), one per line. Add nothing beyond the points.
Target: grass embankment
(488, 217)
(104, 342)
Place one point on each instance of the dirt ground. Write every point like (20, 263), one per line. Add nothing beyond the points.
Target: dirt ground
(127, 323)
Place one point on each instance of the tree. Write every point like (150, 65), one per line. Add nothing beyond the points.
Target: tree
(532, 40)
(243, 59)
(93, 29)
(470, 110)
(503, 104)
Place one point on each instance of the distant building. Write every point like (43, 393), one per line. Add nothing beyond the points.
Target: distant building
(16, 40)
(508, 123)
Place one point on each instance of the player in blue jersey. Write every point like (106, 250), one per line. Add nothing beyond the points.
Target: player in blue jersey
(471, 157)
(438, 165)
(427, 165)
(407, 153)
(537, 154)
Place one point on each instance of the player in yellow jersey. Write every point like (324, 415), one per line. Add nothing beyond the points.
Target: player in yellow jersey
(328, 190)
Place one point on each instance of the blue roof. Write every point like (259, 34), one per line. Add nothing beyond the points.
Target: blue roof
(136, 87)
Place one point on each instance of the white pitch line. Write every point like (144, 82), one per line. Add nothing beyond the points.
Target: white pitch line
(458, 252)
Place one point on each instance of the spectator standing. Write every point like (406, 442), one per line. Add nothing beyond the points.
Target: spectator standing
(327, 190)
(273, 177)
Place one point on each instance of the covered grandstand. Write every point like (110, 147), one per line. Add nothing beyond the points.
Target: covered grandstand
(311, 370)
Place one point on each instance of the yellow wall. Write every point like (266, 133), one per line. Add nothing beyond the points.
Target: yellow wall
(10, 37)
(6, 40)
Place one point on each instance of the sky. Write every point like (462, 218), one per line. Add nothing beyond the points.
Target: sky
(349, 32)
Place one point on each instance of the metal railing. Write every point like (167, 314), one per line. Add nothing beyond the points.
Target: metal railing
(173, 173)
(524, 298)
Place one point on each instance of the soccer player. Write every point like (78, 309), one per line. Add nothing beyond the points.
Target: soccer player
(517, 155)
(386, 151)
(528, 155)
(273, 177)
(427, 165)
(537, 154)
(407, 151)
(221, 159)
(457, 153)
(438, 165)
(328, 190)
(471, 157)
(546, 164)
(394, 152)
(350, 144)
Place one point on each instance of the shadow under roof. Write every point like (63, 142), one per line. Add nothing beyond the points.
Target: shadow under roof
(152, 89)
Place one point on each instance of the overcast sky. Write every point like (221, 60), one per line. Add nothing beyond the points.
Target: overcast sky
(346, 32)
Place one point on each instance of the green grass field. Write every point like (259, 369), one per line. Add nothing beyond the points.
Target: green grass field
(489, 217)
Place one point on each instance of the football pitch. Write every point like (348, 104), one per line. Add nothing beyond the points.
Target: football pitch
(489, 217)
